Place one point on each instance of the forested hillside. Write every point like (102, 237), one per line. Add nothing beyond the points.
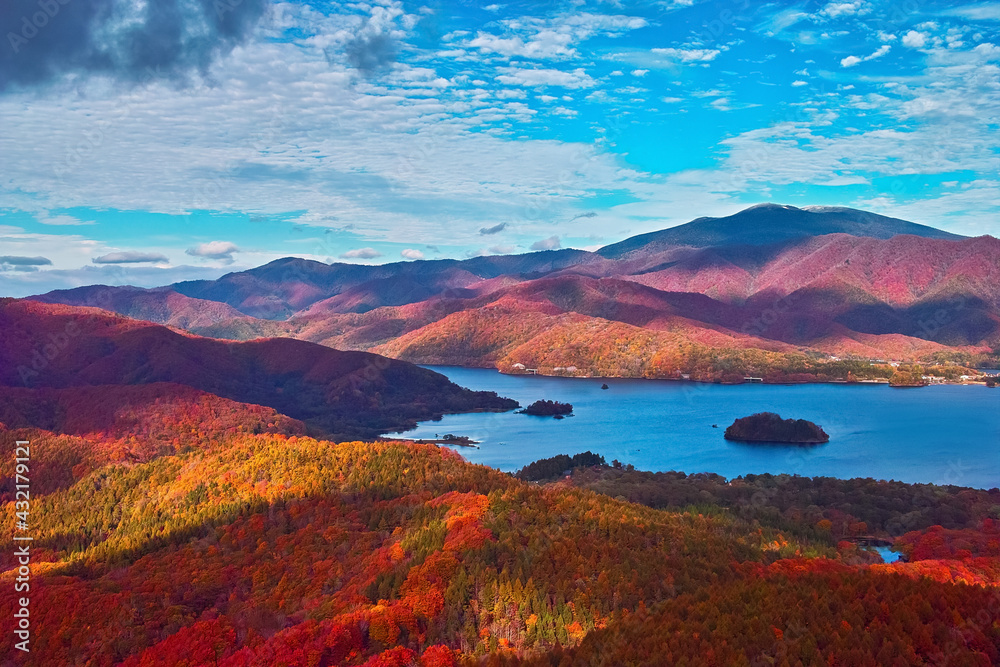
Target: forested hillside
(278, 549)
(342, 394)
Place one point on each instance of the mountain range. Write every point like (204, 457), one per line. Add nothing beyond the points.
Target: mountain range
(769, 290)
(192, 501)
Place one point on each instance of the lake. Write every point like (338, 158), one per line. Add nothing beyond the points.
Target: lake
(887, 554)
(943, 434)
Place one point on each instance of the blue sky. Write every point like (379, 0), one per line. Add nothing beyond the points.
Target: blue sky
(393, 131)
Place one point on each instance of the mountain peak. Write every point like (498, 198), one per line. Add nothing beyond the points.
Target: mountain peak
(773, 206)
(764, 224)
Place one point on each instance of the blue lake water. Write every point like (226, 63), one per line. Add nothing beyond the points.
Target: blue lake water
(939, 434)
(887, 554)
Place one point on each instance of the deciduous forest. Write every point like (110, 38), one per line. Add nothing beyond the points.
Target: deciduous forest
(248, 543)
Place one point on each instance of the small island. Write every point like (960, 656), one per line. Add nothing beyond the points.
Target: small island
(449, 439)
(544, 408)
(769, 427)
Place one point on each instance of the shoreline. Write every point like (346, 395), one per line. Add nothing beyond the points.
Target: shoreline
(880, 382)
(728, 384)
(729, 480)
(455, 442)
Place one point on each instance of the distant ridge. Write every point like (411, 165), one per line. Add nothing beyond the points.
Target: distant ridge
(160, 305)
(773, 223)
(778, 280)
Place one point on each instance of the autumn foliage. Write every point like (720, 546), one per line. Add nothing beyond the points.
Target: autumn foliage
(245, 547)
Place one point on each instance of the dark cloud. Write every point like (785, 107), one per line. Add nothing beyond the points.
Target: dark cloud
(43, 39)
(495, 229)
(588, 214)
(371, 51)
(131, 257)
(14, 260)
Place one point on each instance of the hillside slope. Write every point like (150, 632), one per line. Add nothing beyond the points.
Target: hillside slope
(161, 306)
(345, 393)
(270, 550)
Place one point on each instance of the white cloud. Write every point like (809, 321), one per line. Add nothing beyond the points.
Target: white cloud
(61, 220)
(914, 39)
(361, 253)
(564, 111)
(796, 84)
(221, 250)
(518, 76)
(502, 249)
(835, 9)
(640, 72)
(688, 55)
(881, 51)
(554, 37)
(551, 243)
(511, 93)
(543, 45)
(781, 20)
(987, 51)
(64, 250)
(963, 211)
(851, 61)
(410, 253)
(983, 12)
(262, 141)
